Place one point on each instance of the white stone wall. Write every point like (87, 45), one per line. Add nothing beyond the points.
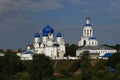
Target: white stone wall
(100, 51)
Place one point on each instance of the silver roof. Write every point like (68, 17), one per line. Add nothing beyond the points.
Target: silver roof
(95, 48)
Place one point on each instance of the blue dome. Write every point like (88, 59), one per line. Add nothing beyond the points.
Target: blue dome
(59, 35)
(48, 29)
(88, 25)
(37, 35)
(45, 34)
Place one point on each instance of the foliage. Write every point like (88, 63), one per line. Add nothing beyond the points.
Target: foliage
(71, 50)
(118, 71)
(10, 65)
(21, 76)
(114, 60)
(85, 66)
(41, 68)
(1, 50)
(101, 71)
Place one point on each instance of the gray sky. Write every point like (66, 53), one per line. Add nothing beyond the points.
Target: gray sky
(21, 19)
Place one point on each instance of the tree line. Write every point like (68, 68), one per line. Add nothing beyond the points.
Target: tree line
(41, 67)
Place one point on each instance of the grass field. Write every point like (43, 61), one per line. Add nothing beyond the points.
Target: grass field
(63, 65)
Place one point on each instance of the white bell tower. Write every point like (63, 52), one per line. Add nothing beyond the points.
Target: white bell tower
(88, 39)
(88, 30)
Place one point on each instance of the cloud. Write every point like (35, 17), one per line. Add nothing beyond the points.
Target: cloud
(44, 5)
(111, 6)
(10, 5)
(17, 23)
(81, 2)
(113, 17)
(13, 12)
(14, 5)
(89, 12)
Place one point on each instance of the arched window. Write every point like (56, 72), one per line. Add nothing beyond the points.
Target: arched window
(87, 32)
(92, 43)
(90, 32)
(84, 33)
(84, 42)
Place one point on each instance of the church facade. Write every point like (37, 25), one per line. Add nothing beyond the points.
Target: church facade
(89, 43)
(88, 39)
(45, 44)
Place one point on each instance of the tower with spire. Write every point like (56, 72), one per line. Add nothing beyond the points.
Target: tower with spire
(88, 39)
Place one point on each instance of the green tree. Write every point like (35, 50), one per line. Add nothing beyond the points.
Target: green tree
(41, 68)
(10, 65)
(118, 71)
(114, 60)
(71, 50)
(117, 46)
(85, 66)
(101, 71)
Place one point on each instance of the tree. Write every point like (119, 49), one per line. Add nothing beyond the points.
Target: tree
(101, 71)
(117, 46)
(118, 71)
(10, 64)
(114, 60)
(85, 66)
(41, 68)
(71, 50)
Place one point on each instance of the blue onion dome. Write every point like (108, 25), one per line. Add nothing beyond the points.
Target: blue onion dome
(37, 35)
(45, 34)
(48, 29)
(59, 35)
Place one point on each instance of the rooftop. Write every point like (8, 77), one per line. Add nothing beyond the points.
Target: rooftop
(95, 47)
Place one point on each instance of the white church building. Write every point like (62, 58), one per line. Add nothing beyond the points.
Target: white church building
(53, 46)
(89, 43)
(88, 39)
(45, 44)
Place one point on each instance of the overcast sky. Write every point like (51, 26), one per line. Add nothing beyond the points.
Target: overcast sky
(21, 19)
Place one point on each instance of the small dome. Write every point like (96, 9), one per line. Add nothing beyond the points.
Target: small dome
(59, 35)
(37, 35)
(48, 29)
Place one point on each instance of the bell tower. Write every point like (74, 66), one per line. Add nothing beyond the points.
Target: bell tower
(88, 38)
(88, 30)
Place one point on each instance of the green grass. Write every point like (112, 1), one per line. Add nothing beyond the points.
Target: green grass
(63, 65)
